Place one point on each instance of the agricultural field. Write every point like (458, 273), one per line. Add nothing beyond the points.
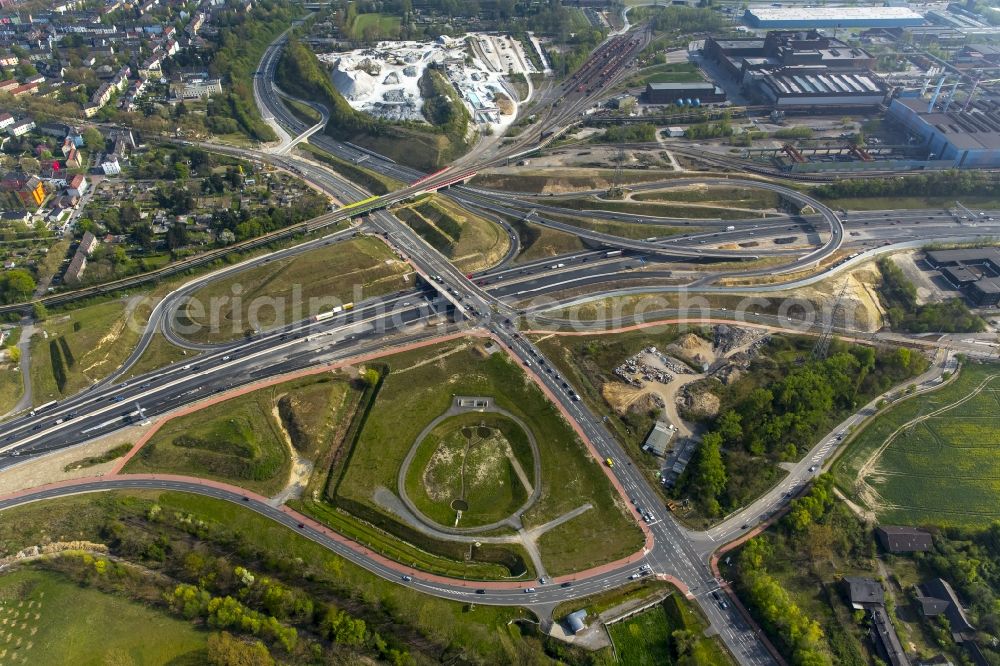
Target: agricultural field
(373, 27)
(246, 440)
(464, 471)
(932, 459)
(469, 241)
(47, 619)
(419, 386)
(280, 292)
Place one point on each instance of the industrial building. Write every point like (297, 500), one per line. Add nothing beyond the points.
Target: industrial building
(799, 68)
(968, 135)
(831, 17)
(974, 272)
(794, 48)
(806, 86)
(689, 94)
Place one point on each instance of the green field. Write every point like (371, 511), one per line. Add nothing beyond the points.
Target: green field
(933, 458)
(420, 386)
(280, 292)
(653, 208)
(46, 619)
(467, 459)
(680, 72)
(374, 27)
(665, 634)
(11, 385)
(242, 440)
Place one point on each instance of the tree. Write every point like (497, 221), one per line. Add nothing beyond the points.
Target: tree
(177, 235)
(16, 285)
(93, 139)
(224, 649)
(709, 473)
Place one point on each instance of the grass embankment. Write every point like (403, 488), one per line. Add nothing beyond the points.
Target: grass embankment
(538, 242)
(656, 209)
(54, 621)
(91, 461)
(158, 353)
(622, 229)
(565, 180)
(931, 459)
(303, 111)
(470, 242)
(910, 202)
(370, 180)
(242, 440)
(85, 344)
(302, 75)
(11, 382)
(420, 385)
(740, 197)
(236, 441)
(230, 534)
(279, 292)
(467, 459)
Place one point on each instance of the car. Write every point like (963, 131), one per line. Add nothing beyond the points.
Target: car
(566, 584)
(723, 605)
(480, 591)
(226, 357)
(529, 590)
(813, 468)
(543, 580)
(301, 526)
(745, 525)
(407, 578)
(246, 499)
(186, 367)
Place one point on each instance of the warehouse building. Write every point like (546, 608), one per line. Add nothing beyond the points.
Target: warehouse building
(808, 86)
(689, 94)
(831, 17)
(970, 138)
(974, 272)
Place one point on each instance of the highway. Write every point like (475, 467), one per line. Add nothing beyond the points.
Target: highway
(485, 303)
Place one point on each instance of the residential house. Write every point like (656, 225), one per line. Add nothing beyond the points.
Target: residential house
(77, 185)
(904, 539)
(937, 597)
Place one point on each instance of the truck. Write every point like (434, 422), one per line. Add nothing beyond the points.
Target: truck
(613, 253)
(47, 405)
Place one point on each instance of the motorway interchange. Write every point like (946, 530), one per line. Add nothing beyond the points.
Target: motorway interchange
(492, 302)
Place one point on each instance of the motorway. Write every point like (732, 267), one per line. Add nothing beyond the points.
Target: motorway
(377, 325)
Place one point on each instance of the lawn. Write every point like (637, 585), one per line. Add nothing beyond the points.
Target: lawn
(55, 621)
(242, 440)
(469, 241)
(465, 464)
(563, 180)
(276, 293)
(933, 458)
(420, 386)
